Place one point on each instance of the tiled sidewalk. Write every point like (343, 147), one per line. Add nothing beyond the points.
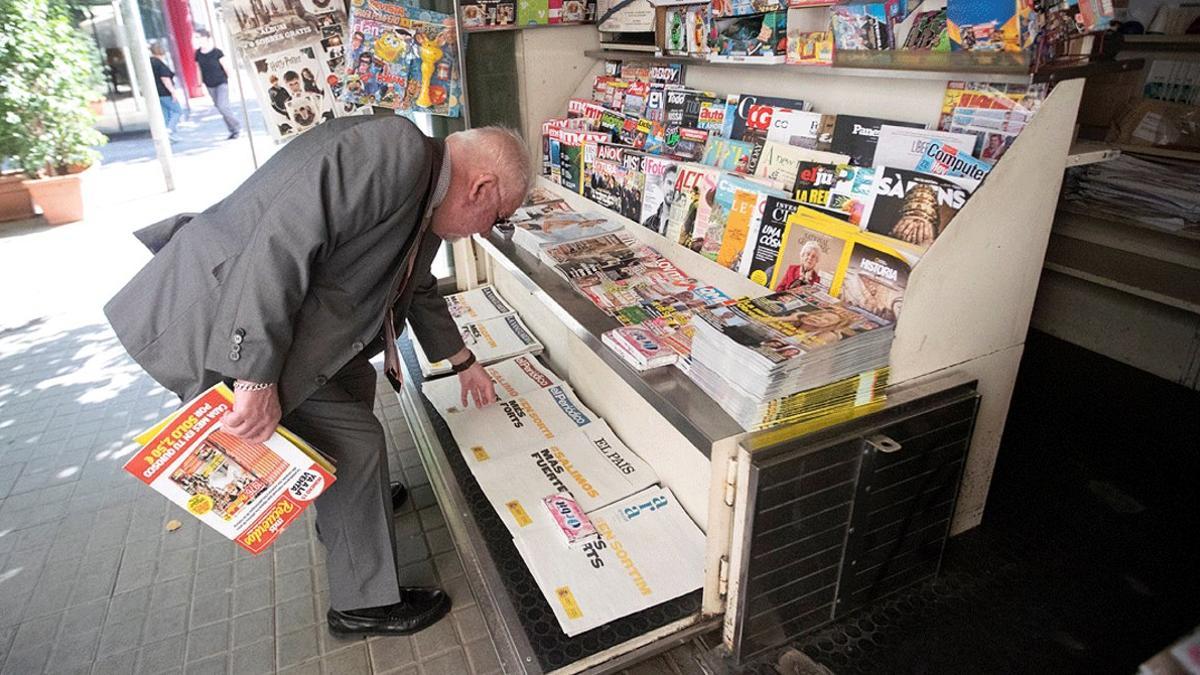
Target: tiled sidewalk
(91, 581)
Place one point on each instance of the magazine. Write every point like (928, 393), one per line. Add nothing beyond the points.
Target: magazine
(560, 227)
(751, 38)
(590, 465)
(738, 203)
(983, 25)
(857, 136)
(292, 87)
(903, 147)
(812, 252)
(728, 155)
(760, 264)
(843, 191)
(249, 492)
(491, 340)
(874, 282)
(802, 128)
(741, 107)
(810, 48)
(988, 96)
(514, 424)
(693, 200)
(913, 207)
(639, 346)
(781, 164)
(658, 192)
(512, 377)
(407, 58)
(624, 571)
(477, 304)
(861, 27)
(488, 14)
(945, 160)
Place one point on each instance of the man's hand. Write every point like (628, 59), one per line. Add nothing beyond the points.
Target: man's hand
(255, 414)
(476, 384)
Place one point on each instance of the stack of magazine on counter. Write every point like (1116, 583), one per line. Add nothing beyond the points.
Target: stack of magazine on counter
(489, 327)
(536, 226)
(788, 356)
(586, 513)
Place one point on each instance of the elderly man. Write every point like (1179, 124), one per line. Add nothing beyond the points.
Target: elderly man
(291, 283)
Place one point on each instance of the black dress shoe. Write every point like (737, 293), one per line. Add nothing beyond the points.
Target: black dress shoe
(419, 608)
(399, 496)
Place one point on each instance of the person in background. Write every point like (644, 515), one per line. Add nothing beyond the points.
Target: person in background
(215, 75)
(164, 81)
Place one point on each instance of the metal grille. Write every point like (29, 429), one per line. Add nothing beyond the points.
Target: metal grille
(836, 524)
(551, 646)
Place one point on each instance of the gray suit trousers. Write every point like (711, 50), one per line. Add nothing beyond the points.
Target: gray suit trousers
(355, 513)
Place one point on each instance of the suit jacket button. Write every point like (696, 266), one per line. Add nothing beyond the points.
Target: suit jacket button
(321, 380)
(234, 356)
(240, 332)
(358, 346)
(237, 339)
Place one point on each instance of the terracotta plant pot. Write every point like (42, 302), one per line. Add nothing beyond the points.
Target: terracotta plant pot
(60, 197)
(15, 201)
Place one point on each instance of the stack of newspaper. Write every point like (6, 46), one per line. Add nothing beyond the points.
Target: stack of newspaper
(761, 359)
(489, 327)
(1156, 191)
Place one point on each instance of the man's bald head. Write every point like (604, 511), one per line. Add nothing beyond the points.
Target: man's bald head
(490, 174)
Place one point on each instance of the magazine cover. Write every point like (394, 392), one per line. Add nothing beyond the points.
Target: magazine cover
(249, 493)
(607, 184)
(852, 193)
(486, 14)
(723, 8)
(759, 266)
(622, 572)
(741, 107)
(857, 136)
(758, 38)
(812, 253)
(513, 425)
(983, 25)
(903, 147)
(801, 128)
(781, 163)
(260, 29)
(814, 185)
(691, 192)
(658, 192)
(944, 160)
(477, 304)
(293, 87)
(860, 27)
(912, 206)
(561, 226)
(491, 340)
(874, 282)
(986, 96)
(406, 58)
(591, 465)
(728, 155)
(511, 377)
(809, 48)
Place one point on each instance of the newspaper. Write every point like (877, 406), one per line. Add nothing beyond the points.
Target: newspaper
(516, 424)
(491, 340)
(249, 492)
(477, 304)
(649, 552)
(591, 465)
(512, 377)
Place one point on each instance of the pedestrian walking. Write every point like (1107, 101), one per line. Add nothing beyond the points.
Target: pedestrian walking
(215, 75)
(164, 82)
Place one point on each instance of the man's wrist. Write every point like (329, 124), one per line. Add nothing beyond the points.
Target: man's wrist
(460, 356)
(464, 364)
(246, 385)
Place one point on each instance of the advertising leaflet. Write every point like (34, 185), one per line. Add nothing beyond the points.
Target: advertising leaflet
(249, 492)
(590, 465)
(477, 304)
(512, 425)
(512, 377)
(626, 570)
(913, 207)
(903, 147)
(407, 59)
(857, 136)
(491, 340)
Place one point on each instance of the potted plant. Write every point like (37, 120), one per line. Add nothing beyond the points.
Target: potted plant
(47, 77)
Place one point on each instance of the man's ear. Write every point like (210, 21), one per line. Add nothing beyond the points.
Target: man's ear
(482, 184)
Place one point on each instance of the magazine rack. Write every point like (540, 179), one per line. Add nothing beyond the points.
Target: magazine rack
(960, 338)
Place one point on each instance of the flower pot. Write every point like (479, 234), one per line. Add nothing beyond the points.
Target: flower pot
(60, 197)
(15, 201)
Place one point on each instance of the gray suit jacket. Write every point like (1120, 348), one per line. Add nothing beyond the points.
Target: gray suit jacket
(288, 277)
